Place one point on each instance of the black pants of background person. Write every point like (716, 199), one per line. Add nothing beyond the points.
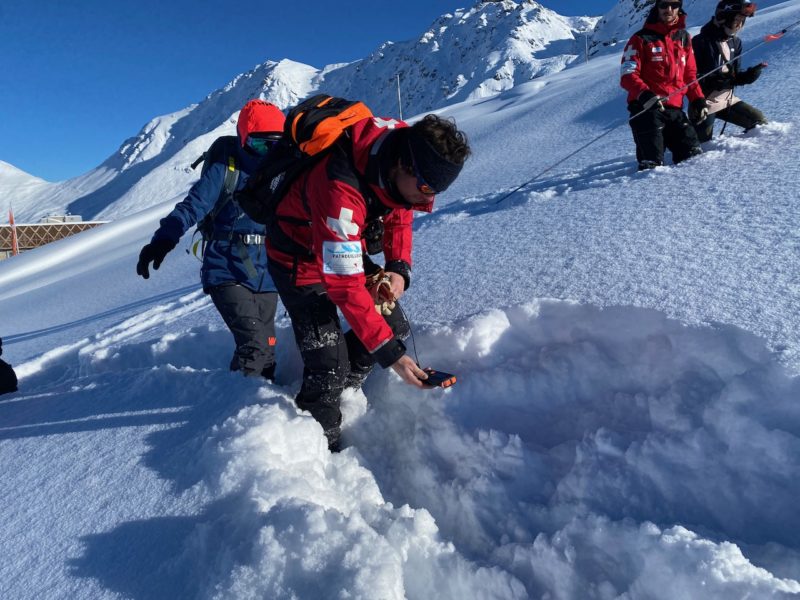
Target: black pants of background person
(654, 130)
(332, 360)
(8, 379)
(741, 114)
(251, 318)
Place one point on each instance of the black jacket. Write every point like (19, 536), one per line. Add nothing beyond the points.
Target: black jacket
(708, 55)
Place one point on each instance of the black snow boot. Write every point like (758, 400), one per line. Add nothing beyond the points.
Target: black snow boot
(268, 373)
(646, 165)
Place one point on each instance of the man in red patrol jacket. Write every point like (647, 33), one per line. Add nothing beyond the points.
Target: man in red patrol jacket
(658, 63)
(358, 200)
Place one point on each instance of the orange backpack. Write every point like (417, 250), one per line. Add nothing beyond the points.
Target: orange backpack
(311, 129)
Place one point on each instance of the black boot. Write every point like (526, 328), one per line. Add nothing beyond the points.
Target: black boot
(334, 439)
(268, 373)
(645, 165)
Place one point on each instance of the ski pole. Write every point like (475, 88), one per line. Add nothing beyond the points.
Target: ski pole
(648, 105)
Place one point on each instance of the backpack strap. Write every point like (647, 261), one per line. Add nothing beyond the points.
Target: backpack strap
(228, 194)
(682, 37)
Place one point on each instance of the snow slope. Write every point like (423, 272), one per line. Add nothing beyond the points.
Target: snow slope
(625, 424)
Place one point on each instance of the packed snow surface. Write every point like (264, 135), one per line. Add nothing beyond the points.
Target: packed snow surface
(625, 423)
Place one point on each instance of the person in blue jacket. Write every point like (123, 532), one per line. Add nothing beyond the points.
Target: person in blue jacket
(234, 271)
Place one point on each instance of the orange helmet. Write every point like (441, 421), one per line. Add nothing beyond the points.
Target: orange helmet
(258, 116)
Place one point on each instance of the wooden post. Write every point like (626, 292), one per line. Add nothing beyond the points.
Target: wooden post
(14, 244)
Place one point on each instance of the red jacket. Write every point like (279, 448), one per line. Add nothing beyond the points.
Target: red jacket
(324, 214)
(659, 58)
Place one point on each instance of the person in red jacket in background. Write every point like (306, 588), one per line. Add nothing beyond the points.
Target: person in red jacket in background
(658, 70)
(358, 200)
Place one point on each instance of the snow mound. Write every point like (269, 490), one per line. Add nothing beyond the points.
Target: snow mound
(584, 452)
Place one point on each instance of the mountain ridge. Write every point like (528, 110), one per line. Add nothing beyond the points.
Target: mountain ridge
(503, 43)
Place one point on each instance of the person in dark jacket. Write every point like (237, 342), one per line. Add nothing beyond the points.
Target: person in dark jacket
(658, 70)
(8, 379)
(364, 191)
(234, 271)
(718, 44)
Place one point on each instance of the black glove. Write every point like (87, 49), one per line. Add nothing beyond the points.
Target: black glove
(650, 101)
(153, 252)
(750, 75)
(698, 111)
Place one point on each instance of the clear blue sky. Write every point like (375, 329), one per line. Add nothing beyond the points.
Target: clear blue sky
(78, 78)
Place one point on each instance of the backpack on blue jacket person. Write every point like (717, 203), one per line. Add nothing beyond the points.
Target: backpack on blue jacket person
(234, 271)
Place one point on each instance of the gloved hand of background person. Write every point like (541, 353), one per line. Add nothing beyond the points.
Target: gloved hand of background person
(698, 110)
(650, 101)
(153, 252)
(750, 75)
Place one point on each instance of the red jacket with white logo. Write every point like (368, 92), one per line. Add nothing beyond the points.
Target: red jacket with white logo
(659, 58)
(324, 214)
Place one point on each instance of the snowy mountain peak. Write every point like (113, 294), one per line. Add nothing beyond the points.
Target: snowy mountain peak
(283, 83)
(470, 53)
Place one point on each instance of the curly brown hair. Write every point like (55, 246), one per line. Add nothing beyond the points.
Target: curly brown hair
(445, 137)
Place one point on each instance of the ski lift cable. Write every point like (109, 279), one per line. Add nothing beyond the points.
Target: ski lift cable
(648, 105)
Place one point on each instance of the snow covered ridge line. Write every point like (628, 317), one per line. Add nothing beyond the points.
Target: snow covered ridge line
(579, 456)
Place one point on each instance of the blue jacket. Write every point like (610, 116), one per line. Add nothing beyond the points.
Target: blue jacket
(222, 260)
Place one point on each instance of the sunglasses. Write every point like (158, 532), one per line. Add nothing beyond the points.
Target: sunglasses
(422, 186)
(672, 5)
(262, 144)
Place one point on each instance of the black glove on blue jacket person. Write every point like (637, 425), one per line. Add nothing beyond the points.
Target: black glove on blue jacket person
(154, 252)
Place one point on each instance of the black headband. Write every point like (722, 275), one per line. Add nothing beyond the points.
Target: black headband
(437, 171)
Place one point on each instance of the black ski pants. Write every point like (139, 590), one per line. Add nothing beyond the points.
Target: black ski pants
(741, 114)
(8, 379)
(250, 316)
(654, 130)
(332, 360)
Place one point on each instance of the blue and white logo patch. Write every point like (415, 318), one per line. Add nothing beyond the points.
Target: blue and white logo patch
(342, 258)
(629, 67)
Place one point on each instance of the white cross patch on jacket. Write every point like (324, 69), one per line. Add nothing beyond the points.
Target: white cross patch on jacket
(387, 123)
(343, 227)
